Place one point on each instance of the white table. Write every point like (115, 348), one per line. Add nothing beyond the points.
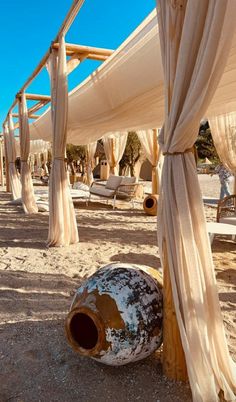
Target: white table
(220, 228)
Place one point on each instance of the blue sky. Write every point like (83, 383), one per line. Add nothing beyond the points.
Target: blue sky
(28, 28)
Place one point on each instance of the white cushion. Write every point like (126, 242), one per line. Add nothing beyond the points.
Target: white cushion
(42, 206)
(128, 180)
(80, 186)
(113, 182)
(102, 191)
(231, 220)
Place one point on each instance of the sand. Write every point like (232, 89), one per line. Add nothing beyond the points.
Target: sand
(37, 286)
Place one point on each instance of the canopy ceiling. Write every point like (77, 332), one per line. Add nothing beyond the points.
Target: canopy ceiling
(126, 92)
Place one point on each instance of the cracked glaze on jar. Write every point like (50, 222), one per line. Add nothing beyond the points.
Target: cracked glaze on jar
(116, 315)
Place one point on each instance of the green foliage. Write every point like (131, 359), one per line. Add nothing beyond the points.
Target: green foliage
(205, 146)
(131, 154)
(75, 153)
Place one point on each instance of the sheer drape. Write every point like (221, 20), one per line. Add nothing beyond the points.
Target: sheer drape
(45, 160)
(38, 161)
(223, 130)
(62, 221)
(195, 40)
(15, 184)
(27, 193)
(148, 139)
(91, 149)
(114, 146)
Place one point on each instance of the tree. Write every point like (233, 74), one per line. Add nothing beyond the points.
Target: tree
(205, 145)
(131, 154)
(76, 153)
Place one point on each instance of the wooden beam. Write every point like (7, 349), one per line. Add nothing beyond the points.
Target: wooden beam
(37, 106)
(84, 49)
(71, 15)
(31, 116)
(16, 125)
(74, 61)
(35, 97)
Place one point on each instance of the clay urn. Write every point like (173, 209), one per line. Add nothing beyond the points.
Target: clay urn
(116, 315)
(150, 204)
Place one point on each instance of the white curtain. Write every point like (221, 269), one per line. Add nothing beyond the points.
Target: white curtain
(45, 160)
(15, 185)
(62, 221)
(38, 161)
(223, 129)
(148, 139)
(27, 193)
(91, 149)
(195, 41)
(114, 146)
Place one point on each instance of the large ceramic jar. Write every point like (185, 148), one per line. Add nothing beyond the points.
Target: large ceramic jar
(116, 315)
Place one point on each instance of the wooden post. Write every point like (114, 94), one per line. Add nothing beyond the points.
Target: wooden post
(174, 365)
(155, 189)
(6, 169)
(112, 167)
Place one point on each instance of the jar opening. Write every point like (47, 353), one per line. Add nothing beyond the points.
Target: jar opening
(149, 203)
(84, 331)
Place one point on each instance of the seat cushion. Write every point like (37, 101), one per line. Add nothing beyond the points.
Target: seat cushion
(43, 206)
(102, 191)
(128, 180)
(113, 182)
(231, 220)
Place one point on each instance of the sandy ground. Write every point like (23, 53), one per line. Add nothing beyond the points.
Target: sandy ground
(36, 289)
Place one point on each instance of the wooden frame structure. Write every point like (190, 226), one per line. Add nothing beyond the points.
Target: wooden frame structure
(76, 54)
(173, 357)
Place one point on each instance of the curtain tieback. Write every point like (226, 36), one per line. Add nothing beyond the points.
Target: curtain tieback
(179, 153)
(60, 158)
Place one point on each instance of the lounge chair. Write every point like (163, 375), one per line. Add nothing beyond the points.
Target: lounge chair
(116, 187)
(226, 210)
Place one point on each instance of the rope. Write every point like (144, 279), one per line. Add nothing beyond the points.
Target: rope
(59, 158)
(178, 153)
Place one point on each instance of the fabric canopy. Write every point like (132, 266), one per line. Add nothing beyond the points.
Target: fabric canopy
(36, 146)
(127, 93)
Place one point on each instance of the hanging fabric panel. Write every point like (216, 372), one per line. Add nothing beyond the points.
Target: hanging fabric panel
(91, 149)
(27, 194)
(15, 184)
(62, 221)
(148, 139)
(223, 130)
(195, 41)
(114, 147)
